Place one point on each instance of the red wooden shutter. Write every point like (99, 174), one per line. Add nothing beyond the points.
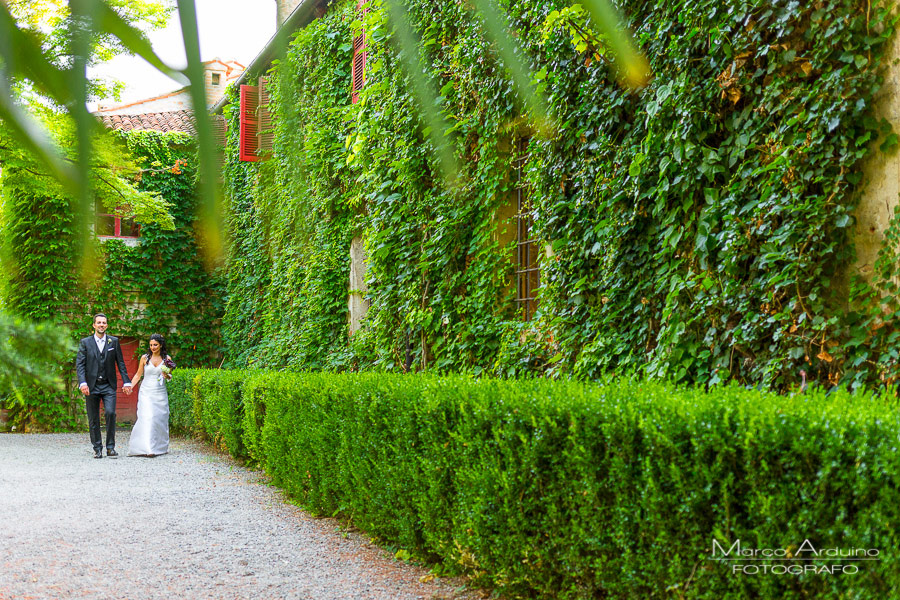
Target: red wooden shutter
(358, 70)
(266, 119)
(249, 142)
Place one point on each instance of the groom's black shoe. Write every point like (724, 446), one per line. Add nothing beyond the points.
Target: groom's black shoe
(112, 453)
(98, 453)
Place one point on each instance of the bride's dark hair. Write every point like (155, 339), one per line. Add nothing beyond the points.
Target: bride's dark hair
(163, 352)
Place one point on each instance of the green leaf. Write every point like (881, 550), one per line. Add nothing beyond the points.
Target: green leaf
(133, 39)
(634, 69)
(211, 211)
(635, 168)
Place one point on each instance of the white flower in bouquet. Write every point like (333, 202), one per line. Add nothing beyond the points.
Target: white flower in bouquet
(166, 369)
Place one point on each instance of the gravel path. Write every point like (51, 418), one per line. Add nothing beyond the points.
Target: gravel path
(191, 524)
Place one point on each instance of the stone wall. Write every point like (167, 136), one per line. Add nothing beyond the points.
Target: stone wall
(357, 303)
(217, 74)
(173, 101)
(882, 175)
(284, 9)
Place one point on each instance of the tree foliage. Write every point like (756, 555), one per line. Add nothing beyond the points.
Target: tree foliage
(29, 356)
(50, 22)
(112, 174)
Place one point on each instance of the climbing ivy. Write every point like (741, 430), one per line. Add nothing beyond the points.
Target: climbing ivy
(696, 229)
(703, 233)
(157, 286)
(292, 218)
(164, 275)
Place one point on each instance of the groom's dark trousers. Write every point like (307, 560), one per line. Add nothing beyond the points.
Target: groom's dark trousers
(97, 368)
(106, 393)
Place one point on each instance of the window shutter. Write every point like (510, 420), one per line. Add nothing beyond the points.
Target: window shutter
(249, 142)
(220, 139)
(266, 119)
(220, 129)
(358, 70)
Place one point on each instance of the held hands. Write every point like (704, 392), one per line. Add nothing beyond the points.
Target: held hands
(86, 390)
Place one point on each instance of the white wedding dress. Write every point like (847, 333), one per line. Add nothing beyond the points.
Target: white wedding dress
(150, 434)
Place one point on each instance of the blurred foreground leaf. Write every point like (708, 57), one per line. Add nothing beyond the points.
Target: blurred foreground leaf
(30, 355)
(27, 56)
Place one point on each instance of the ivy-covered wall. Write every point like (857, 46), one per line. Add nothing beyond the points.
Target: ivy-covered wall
(695, 229)
(292, 217)
(39, 262)
(157, 286)
(161, 285)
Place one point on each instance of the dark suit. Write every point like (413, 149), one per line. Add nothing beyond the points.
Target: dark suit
(98, 370)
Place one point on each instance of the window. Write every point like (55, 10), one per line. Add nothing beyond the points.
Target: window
(528, 276)
(358, 69)
(109, 225)
(216, 78)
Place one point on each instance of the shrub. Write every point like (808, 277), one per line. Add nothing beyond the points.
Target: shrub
(218, 409)
(181, 401)
(562, 489)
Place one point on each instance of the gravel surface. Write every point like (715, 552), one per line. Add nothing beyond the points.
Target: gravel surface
(190, 524)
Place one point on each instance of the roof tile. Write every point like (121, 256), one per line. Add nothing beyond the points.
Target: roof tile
(175, 120)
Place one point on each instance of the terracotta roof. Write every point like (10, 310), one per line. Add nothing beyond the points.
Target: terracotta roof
(229, 64)
(176, 120)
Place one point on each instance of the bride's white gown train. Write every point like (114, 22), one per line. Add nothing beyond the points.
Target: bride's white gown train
(150, 434)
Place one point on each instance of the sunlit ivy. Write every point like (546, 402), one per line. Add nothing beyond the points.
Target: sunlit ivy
(696, 229)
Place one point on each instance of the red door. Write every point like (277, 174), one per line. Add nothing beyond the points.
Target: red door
(126, 406)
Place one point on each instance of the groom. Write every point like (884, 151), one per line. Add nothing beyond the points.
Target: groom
(98, 356)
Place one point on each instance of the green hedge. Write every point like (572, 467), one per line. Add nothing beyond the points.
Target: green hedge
(567, 490)
(181, 415)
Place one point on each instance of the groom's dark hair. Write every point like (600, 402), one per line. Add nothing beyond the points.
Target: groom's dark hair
(99, 315)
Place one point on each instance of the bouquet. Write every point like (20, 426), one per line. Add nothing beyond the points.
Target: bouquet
(166, 367)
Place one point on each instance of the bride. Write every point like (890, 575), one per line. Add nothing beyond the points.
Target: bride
(150, 435)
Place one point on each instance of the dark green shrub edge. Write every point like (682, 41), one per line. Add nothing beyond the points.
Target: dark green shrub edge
(561, 489)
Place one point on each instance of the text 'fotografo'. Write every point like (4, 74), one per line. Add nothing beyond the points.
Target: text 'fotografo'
(794, 559)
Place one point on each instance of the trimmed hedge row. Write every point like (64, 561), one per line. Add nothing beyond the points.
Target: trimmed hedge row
(569, 490)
